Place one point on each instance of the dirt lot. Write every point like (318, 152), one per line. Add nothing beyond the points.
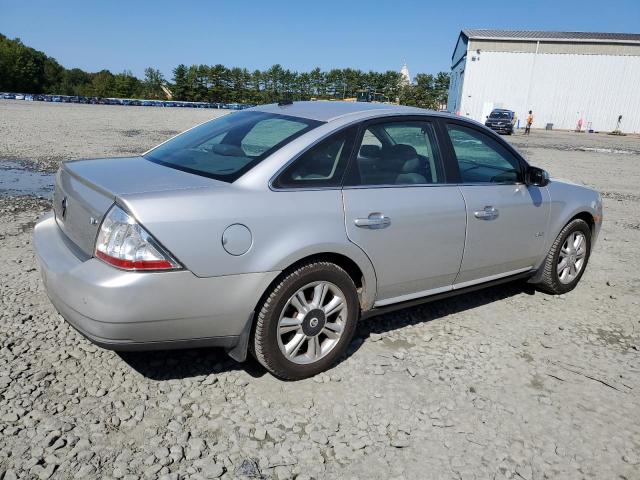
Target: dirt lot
(503, 383)
(46, 133)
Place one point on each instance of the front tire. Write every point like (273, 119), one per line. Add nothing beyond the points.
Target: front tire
(567, 259)
(306, 321)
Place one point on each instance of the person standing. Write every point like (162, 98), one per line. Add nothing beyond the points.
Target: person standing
(527, 129)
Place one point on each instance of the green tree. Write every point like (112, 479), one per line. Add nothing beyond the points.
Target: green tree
(318, 83)
(441, 84)
(257, 86)
(103, 84)
(126, 85)
(75, 82)
(427, 91)
(21, 67)
(180, 87)
(152, 83)
(218, 89)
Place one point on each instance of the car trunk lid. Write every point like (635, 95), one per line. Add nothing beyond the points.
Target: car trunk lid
(86, 189)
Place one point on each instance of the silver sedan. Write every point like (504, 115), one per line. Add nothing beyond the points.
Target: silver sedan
(274, 229)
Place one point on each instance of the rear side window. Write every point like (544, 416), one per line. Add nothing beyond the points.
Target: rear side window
(481, 159)
(230, 146)
(323, 165)
(397, 153)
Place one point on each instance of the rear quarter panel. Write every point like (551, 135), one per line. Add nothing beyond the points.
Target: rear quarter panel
(286, 226)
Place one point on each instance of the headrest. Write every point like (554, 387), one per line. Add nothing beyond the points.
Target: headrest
(227, 150)
(402, 151)
(371, 151)
(412, 165)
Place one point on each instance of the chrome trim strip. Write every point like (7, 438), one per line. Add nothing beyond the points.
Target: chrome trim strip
(412, 296)
(392, 185)
(448, 288)
(469, 283)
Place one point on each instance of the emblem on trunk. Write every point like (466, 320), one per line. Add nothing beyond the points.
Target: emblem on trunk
(63, 206)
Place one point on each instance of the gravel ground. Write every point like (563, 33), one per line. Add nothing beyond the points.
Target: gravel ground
(503, 383)
(43, 134)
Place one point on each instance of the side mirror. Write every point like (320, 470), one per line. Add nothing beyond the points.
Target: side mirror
(537, 177)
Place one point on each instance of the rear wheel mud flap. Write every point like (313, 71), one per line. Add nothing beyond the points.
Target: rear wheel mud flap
(239, 351)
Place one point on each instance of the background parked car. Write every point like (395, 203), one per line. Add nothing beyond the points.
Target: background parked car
(501, 120)
(121, 101)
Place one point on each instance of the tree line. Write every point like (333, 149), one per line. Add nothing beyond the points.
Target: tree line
(24, 69)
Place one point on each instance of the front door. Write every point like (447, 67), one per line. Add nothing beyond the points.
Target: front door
(400, 211)
(506, 219)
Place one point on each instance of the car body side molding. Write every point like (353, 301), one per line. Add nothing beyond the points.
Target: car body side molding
(439, 296)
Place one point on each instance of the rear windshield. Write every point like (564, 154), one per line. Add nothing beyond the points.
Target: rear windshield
(228, 147)
(500, 115)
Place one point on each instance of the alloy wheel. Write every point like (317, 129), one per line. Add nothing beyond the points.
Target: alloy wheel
(312, 322)
(572, 257)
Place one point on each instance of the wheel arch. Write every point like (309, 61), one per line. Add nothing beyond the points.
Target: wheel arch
(587, 217)
(361, 273)
(582, 215)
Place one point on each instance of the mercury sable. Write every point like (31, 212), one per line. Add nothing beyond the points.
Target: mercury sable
(274, 229)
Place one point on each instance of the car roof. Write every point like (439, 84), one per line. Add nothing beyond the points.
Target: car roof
(327, 111)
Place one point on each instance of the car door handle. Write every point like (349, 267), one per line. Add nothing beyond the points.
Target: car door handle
(489, 213)
(373, 221)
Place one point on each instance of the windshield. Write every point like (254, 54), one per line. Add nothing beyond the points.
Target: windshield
(228, 147)
(500, 115)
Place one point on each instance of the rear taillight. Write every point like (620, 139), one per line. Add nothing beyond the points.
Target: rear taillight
(123, 243)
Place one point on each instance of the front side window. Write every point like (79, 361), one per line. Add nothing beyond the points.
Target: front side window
(228, 147)
(323, 165)
(397, 153)
(481, 159)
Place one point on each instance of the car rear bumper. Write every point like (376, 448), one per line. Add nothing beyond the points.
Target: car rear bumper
(123, 310)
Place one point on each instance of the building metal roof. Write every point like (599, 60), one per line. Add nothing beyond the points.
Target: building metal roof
(537, 35)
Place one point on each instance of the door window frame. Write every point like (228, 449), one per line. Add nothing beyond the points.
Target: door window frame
(448, 162)
(452, 159)
(441, 162)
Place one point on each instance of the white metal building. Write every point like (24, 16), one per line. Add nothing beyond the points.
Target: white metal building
(562, 76)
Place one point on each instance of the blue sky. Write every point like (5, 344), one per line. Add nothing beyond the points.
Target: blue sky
(370, 35)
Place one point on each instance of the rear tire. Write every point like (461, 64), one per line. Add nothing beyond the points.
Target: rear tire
(567, 259)
(306, 321)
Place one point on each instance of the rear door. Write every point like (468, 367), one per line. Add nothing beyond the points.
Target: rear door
(506, 219)
(400, 210)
